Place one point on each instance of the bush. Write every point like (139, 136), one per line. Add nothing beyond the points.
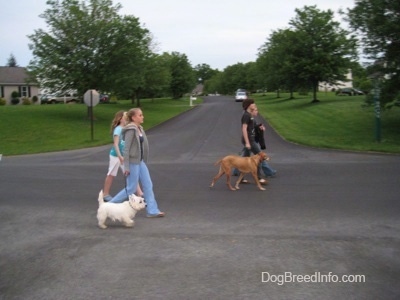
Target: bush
(395, 102)
(26, 101)
(113, 99)
(15, 101)
(3, 101)
(14, 94)
(35, 99)
(14, 97)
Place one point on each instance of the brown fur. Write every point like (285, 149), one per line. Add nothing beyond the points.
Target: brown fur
(243, 164)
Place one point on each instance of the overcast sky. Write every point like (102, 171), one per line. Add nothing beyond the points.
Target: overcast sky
(215, 32)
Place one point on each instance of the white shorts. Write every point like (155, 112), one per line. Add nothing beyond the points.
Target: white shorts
(114, 165)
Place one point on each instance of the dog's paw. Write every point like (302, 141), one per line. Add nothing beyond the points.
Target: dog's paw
(262, 189)
(129, 223)
(102, 226)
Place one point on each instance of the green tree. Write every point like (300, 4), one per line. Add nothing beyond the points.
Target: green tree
(12, 61)
(234, 77)
(182, 75)
(360, 77)
(157, 76)
(378, 24)
(324, 50)
(127, 64)
(204, 72)
(214, 84)
(252, 82)
(277, 62)
(89, 46)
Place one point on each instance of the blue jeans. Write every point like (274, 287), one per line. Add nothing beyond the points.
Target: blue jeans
(139, 172)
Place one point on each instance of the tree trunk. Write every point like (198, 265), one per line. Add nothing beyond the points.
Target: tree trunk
(315, 87)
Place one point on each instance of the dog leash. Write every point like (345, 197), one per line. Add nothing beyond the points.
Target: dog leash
(126, 190)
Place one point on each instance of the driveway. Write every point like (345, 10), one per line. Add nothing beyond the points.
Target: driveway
(329, 217)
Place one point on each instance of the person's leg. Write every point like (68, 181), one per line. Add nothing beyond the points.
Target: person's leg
(147, 186)
(267, 169)
(255, 149)
(236, 171)
(264, 166)
(246, 152)
(107, 186)
(131, 185)
(113, 166)
(139, 191)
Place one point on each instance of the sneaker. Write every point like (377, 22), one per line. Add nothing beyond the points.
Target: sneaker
(159, 215)
(273, 174)
(107, 198)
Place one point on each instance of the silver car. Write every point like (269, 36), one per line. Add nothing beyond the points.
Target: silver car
(240, 96)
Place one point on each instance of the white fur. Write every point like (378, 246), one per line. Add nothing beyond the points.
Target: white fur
(123, 212)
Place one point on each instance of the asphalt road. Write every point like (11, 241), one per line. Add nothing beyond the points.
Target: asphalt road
(326, 217)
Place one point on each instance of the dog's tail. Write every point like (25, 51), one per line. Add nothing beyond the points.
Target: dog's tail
(101, 200)
(218, 162)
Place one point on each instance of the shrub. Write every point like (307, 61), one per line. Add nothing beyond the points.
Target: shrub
(14, 97)
(14, 94)
(113, 99)
(395, 102)
(35, 99)
(3, 101)
(14, 101)
(26, 101)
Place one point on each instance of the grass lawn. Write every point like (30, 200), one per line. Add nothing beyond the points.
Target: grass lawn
(27, 129)
(339, 122)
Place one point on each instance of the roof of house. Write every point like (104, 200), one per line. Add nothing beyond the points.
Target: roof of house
(14, 76)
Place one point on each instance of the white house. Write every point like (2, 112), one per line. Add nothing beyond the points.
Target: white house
(16, 79)
(326, 87)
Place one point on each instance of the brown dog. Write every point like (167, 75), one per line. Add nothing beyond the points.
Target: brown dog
(243, 164)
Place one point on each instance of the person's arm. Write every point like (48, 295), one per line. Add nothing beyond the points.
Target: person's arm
(129, 136)
(116, 147)
(245, 136)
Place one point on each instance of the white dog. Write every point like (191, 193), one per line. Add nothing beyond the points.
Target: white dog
(123, 212)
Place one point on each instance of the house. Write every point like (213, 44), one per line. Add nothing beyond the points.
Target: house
(16, 79)
(348, 83)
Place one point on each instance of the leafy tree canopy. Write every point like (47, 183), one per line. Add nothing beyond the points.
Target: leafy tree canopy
(313, 49)
(88, 45)
(378, 24)
(324, 49)
(182, 75)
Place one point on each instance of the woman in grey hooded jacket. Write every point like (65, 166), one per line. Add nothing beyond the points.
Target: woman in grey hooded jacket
(136, 153)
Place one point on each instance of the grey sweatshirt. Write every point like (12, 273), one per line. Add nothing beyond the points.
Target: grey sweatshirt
(131, 136)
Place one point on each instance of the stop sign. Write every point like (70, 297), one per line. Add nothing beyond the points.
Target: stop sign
(91, 98)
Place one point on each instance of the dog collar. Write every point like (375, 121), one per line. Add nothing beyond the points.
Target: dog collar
(131, 205)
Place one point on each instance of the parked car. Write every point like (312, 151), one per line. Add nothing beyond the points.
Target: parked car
(349, 92)
(240, 96)
(104, 98)
(59, 98)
